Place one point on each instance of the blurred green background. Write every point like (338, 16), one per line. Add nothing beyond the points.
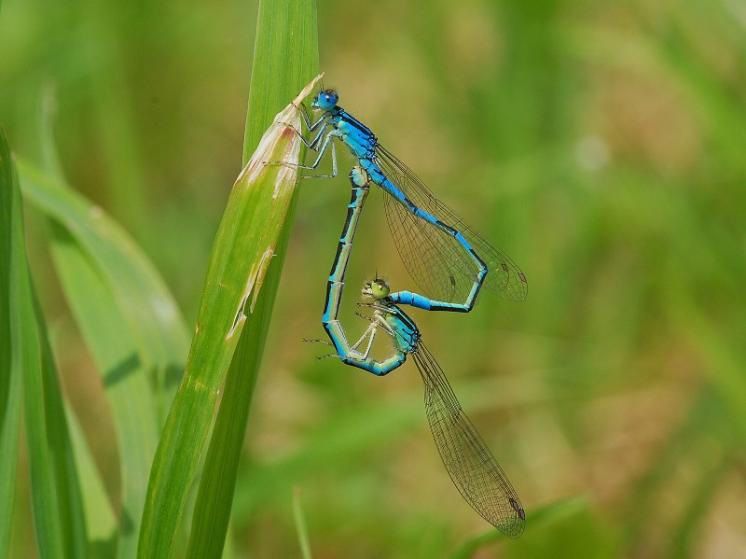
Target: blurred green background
(601, 145)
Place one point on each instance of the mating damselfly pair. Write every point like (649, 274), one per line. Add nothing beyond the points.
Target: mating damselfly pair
(450, 263)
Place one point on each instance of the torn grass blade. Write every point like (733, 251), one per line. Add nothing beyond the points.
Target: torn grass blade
(243, 251)
(286, 56)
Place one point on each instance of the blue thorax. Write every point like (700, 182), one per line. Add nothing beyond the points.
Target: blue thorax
(406, 333)
(358, 137)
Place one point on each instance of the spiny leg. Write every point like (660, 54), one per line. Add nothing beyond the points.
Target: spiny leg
(310, 126)
(369, 333)
(310, 144)
(315, 341)
(327, 144)
(363, 316)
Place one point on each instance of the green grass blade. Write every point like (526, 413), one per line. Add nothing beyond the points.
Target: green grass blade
(11, 245)
(71, 515)
(100, 518)
(50, 535)
(148, 307)
(116, 356)
(215, 496)
(56, 499)
(285, 58)
(300, 525)
(125, 380)
(245, 246)
(26, 364)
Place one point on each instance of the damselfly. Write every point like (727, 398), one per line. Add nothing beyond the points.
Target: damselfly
(360, 187)
(436, 246)
(470, 464)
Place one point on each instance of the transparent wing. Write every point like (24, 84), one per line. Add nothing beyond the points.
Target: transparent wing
(420, 243)
(473, 469)
(441, 267)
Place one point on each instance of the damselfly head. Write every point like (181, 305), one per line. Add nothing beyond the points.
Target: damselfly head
(376, 289)
(325, 100)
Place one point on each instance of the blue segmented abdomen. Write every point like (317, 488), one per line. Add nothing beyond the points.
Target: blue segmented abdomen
(378, 177)
(335, 288)
(411, 299)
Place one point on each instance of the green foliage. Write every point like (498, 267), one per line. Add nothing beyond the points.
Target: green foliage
(129, 321)
(101, 522)
(251, 238)
(599, 144)
(12, 269)
(55, 491)
(286, 38)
